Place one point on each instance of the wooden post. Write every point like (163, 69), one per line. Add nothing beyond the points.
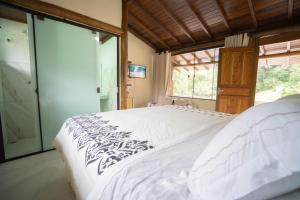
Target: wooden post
(124, 54)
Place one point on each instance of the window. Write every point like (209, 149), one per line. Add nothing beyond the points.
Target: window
(195, 74)
(278, 73)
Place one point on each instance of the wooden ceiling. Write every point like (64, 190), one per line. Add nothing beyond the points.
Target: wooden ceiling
(176, 24)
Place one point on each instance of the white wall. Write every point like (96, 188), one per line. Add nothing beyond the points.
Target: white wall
(108, 11)
(141, 53)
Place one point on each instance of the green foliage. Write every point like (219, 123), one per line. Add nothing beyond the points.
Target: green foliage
(204, 84)
(277, 76)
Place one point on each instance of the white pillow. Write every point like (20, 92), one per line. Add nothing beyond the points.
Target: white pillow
(255, 156)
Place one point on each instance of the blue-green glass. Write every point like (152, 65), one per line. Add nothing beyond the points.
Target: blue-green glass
(67, 74)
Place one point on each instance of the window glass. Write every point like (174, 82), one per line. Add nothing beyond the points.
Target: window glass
(278, 75)
(195, 74)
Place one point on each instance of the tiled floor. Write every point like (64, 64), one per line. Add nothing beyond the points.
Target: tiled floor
(38, 177)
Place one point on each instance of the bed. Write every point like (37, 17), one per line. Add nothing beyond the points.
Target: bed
(143, 153)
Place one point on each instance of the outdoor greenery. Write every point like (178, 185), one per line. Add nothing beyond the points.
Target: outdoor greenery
(199, 84)
(280, 79)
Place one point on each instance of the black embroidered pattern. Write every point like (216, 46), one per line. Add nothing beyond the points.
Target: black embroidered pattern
(104, 142)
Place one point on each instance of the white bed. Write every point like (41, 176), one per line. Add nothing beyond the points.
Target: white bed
(161, 126)
(173, 138)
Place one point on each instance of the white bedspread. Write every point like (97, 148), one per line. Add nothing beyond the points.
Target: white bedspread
(161, 175)
(161, 126)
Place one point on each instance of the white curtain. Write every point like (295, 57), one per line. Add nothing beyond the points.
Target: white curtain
(162, 76)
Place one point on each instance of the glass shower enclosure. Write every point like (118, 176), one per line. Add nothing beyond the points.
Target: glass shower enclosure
(51, 70)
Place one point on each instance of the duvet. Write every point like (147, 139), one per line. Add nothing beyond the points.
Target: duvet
(131, 154)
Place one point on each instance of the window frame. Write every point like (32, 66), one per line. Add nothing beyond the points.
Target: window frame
(216, 65)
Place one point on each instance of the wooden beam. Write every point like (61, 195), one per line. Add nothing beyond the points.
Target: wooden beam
(208, 54)
(147, 30)
(184, 58)
(223, 14)
(288, 50)
(198, 64)
(204, 28)
(252, 12)
(281, 55)
(136, 34)
(62, 13)
(148, 14)
(124, 55)
(290, 9)
(288, 46)
(106, 38)
(196, 57)
(10, 13)
(262, 49)
(281, 37)
(176, 69)
(174, 18)
(198, 47)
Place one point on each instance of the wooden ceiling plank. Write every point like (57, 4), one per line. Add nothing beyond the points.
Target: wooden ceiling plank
(204, 28)
(174, 18)
(143, 26)
(135, 33)
(223, 14)
(290, 9)
(148, 14)
(252, 12)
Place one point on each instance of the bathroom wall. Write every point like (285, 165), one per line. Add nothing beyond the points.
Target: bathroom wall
(108, 75)
(16, 90)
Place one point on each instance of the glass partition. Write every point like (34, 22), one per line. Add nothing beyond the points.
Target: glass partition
(67, 74)
(49, 71)
(18, 99)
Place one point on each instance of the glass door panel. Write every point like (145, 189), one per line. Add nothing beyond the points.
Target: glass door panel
(108, 63)
(18, 99)
(67, 74)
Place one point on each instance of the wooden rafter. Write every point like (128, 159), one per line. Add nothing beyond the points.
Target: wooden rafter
(196, 57)
(290, 9)
(208, 54)
(146, 29)
(223, 14)
(205, 29)
(136, 34)
(148, 14)
(281, 55)
(174, 18)
(176, 69)
(263, 52)
(184, 58)
(198, 64)
(288, 50)
(288, 46)
(186, 69)
(252, 12)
